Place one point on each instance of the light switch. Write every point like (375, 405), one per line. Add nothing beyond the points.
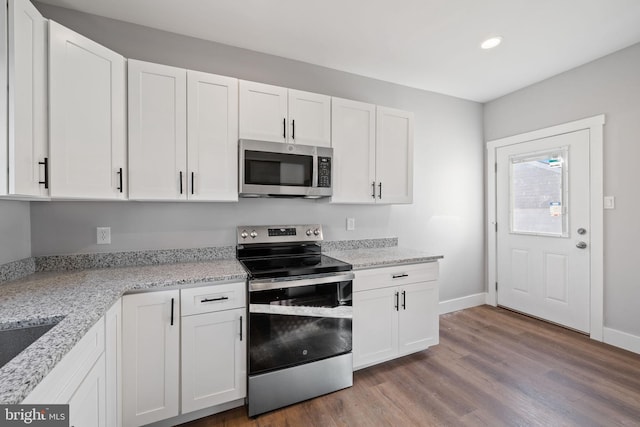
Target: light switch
(609, 202)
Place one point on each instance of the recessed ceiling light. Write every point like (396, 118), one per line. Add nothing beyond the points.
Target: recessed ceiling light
(491, 42)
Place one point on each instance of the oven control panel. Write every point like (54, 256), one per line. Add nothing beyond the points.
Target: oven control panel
(248, 234)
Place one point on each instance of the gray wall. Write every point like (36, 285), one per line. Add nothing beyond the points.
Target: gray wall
(445, 218)
(15, 231)
(610, 85)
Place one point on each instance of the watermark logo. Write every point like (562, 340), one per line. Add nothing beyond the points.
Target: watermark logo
(34, 415)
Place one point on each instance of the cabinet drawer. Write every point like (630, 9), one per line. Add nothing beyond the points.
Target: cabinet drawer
(376, 278)
(213, 297)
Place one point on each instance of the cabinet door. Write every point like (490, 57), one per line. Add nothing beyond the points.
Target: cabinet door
(157, 131)
(212, 115)
(394, 155)
(87, 405)
(28, 139)
(375, 326)
(309, 118)
(87, 117)
(263, 112)
(113, 362)
(213, 359)
(353, 140)
(418, 326)
(150, 357)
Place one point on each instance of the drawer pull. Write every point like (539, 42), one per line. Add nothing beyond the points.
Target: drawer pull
(214, 299)
(399, 276)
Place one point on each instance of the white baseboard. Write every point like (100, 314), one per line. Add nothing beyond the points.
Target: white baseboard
(622, 339)
(463, 302)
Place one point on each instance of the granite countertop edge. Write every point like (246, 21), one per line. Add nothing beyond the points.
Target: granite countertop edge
(81, 297)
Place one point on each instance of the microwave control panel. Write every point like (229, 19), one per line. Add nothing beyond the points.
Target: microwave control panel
(324, 172)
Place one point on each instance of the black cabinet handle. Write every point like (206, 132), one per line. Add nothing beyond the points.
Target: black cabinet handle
(373, 189)
(284, 128)
(380, 190)
(46, 172)
(172, 303)
(180, 182)
(214, 299)
(399, 276)
(293, 132)
(192, 181)
(240, 328)
(397, 300)
(404, 300)
(120, 180)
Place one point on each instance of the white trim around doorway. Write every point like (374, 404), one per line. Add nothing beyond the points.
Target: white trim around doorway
(595, 125)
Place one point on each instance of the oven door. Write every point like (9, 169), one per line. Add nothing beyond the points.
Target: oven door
(277, 169)
(293, 322)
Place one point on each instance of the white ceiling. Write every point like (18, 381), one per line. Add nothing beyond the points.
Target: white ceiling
(426, 44)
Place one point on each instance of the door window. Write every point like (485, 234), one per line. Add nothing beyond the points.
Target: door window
(538, 193)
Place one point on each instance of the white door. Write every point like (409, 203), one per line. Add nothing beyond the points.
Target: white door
(150, 357)
(353, 138)
(157, 132)
(309, 118)
(394, 156)
(543, 228)
(213, 359)
(263, 112)
(87, 117)
(212, 137)
(28, 139)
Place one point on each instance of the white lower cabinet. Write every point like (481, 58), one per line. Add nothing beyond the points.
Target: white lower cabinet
(200, 357)
(150, 356)
(81, 379)
(395, 312)
(213, 359)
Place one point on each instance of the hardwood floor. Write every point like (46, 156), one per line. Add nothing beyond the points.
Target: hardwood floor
(491, 368)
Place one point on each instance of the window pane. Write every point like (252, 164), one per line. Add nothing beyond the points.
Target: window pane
(537, 188)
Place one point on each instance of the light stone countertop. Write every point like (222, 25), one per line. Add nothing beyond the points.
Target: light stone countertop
(82, 297)
(382, 257)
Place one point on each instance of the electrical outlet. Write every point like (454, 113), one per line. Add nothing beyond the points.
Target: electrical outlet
(104, 235)
(609, 202)
(351, 224)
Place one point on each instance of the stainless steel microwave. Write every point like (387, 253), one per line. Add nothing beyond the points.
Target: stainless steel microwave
(275, 169)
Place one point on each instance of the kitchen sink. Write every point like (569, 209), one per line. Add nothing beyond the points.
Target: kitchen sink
(13, 341)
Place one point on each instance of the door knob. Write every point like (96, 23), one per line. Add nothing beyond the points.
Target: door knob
(581, 245)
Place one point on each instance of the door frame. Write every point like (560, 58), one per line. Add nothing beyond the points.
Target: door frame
(595, 126)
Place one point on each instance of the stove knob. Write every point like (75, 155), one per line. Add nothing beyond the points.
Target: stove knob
(254, 234)
(244, 234)
(316, 232)
(308, 232)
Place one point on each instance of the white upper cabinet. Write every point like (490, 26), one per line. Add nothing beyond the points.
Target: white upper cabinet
(212, 141)
(353, 138)
(309, 118)
(263, 112)
(273, 113)
(373, 153)
(183, 134)
(87, 117)
(23, 159)
(394, 156)
(157, 131)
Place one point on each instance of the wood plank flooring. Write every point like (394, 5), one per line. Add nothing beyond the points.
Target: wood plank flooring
(491, 368)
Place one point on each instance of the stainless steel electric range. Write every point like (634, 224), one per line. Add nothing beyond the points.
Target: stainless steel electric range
(300, 316)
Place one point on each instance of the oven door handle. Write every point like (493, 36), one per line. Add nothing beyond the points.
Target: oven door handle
(265, 285)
